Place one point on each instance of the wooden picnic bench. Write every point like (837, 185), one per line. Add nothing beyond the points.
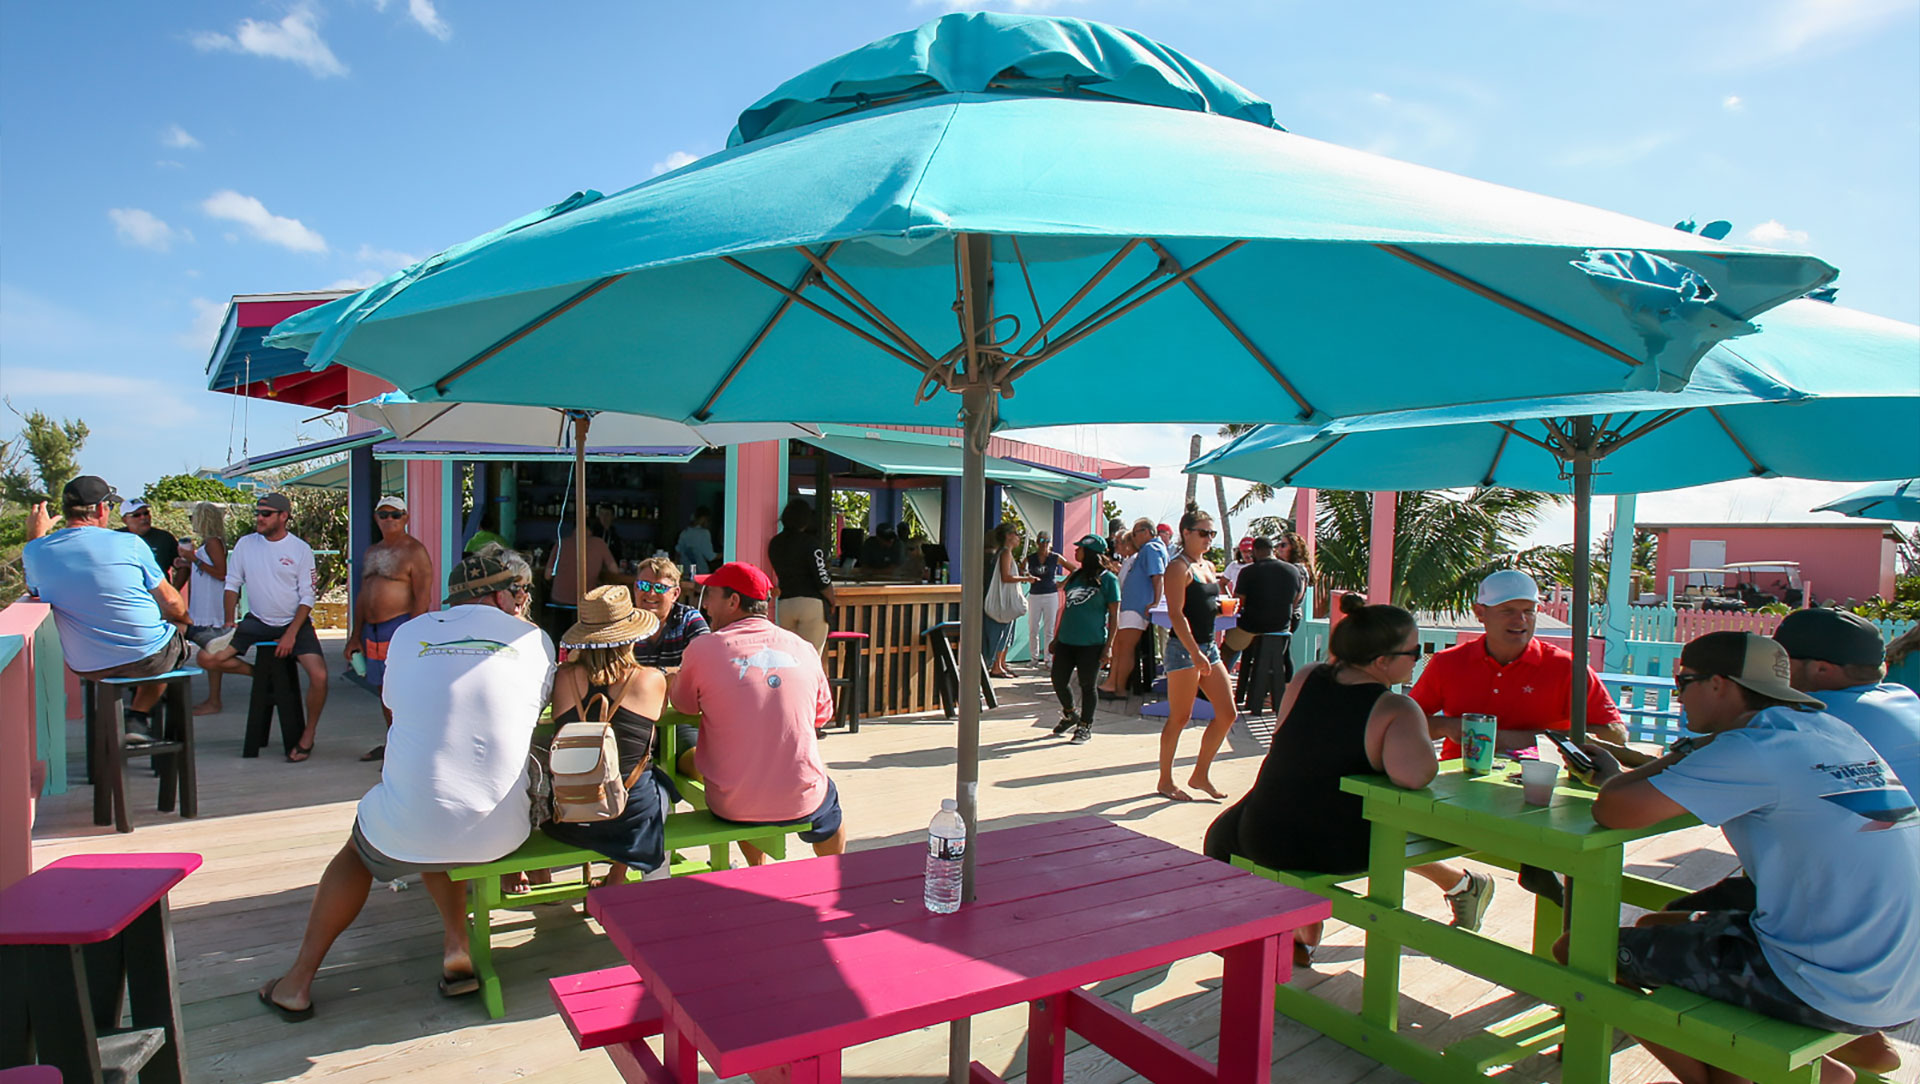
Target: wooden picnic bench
(685, 831)
(1483, 818)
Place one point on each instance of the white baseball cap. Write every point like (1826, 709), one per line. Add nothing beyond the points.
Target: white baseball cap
(1505, 586)
(132, 506)
(391, 501)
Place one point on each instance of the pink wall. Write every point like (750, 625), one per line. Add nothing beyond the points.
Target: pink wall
(756, 499)
(360, 388)
(1839, 560)
(424, 514)
(18, 754)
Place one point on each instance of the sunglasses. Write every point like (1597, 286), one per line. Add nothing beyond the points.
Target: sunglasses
(1413, 652)
(263, 513)
(1681, 681)
(388, 513)
(648, 587)
(1202, 532)
(142, 514)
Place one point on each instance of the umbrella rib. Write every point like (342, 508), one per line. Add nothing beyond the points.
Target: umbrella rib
(1112, 303)
(1079, 295)
(706, 408)
(858, 302)
(1758, 468)
(1287, 479)
(1664, 418)
(1511, 304)
(793, 294)
(1306, 408)
(1498, 451)
(1095, 323)
(1543, 445)
(525, 330)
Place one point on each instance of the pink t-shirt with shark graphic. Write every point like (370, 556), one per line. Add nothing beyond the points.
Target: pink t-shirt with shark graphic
(761, 694)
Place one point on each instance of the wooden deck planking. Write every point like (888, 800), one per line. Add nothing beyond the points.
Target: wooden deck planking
(267, 828)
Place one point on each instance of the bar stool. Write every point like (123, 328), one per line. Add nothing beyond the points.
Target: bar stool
(276, 690)
(940, 640)
(108, 753)
(853, 677)
(81, 939)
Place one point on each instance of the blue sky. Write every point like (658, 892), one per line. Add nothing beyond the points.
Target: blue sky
(163, 157)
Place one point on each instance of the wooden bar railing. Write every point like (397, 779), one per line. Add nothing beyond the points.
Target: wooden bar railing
(899, 666)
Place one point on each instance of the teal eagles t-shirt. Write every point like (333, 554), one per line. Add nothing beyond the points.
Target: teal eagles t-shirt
(100, 584)
(1083, 609)
(1832, 843)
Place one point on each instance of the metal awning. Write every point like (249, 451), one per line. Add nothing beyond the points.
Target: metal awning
(304, 453)
(393, 477)
(922, 455)
(472, 451)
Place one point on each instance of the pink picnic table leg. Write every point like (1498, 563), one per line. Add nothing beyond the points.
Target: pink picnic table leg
(1047, 1040)
(1246, 1009)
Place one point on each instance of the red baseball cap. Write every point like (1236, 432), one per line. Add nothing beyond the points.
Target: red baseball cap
(1164, 529)
(1245, 543)
(739, 577)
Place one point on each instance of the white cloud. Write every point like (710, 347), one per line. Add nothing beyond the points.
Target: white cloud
(1790, 27)
(143, 229)
(261, 223)
(422, 12)
(158, 404)
(168, 163)
(674, 161)
(359, 280)
(208, 317)
(1622, 152)
(388, 258)
(176, 136)
(1775, 235)
(1733, 103)
(295, 38)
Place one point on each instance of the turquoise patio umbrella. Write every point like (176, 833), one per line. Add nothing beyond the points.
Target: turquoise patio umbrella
(1024, 221)
(1820, 392)
(1882, 500)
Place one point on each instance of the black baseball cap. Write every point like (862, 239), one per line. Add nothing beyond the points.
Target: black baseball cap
(87, 491)
(1826, 635)
(276, 502)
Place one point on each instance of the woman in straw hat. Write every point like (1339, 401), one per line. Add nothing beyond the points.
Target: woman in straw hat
(601, 664)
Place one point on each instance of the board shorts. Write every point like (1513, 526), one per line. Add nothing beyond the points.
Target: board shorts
(171, 656)
(375, 637)
(252, 631)
(824, 822)
(386, 868)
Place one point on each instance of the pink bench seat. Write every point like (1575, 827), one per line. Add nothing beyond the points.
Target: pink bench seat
(606, 1007)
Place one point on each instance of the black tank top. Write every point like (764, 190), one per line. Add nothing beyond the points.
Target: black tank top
(632, 731)
(1200, 605)
(1296, 816)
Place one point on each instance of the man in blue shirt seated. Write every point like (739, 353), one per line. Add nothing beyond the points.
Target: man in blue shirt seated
(1828, 935)
(117, 614)
(1837, 656)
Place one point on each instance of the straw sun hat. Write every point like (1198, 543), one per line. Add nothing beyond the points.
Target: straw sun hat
(608, 619)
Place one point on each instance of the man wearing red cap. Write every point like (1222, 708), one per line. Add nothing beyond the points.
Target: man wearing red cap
(762, 698)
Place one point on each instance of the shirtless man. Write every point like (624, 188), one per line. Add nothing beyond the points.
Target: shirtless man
(397, 587)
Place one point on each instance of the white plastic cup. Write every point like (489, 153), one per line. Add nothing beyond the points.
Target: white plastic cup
(1537, 778)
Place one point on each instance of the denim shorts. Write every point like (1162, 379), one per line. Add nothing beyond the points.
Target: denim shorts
(1178, 659)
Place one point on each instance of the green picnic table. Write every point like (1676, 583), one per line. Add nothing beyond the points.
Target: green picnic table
(1485, 818)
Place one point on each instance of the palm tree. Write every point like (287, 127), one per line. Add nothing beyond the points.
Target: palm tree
(1258, 492)
(1443, 544)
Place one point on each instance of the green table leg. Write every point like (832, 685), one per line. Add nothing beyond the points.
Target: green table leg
(1387, 887)
(1586, 1053)
(483, 895)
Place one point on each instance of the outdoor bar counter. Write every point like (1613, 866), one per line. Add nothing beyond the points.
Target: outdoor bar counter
(893, 615)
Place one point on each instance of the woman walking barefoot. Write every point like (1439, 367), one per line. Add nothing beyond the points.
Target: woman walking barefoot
(1005, 540)
(1193, 660)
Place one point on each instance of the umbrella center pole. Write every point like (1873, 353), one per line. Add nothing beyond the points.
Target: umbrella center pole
(978, 403)
(1582, 447)
(581, 422)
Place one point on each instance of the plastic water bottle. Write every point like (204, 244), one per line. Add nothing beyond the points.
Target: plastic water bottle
(946, 848)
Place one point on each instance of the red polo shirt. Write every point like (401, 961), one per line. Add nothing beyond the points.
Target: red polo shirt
(1533, 692)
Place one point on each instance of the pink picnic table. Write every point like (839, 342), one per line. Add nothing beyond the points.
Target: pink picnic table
(787, 965)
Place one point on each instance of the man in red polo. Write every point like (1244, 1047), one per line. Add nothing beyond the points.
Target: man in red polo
(1524, 682)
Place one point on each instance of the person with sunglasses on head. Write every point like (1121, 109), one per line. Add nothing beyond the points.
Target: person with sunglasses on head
(466, 693)
(275, 567)
(1342, 718)
(1823, 930)
(396, 586)
(1193, 659)
(1511, 674)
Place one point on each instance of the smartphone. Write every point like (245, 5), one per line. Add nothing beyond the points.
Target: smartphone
(1576, 758)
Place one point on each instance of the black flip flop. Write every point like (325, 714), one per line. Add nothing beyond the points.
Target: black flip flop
(458, 985)
(300, 754)
(291, 1016)
(378, 752)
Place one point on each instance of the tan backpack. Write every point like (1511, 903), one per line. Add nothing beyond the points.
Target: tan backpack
(584, 764)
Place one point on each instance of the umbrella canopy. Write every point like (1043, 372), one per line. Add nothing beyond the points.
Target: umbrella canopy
(1820, 392)
(549, 429)
(1882, 500)
(995, 203)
